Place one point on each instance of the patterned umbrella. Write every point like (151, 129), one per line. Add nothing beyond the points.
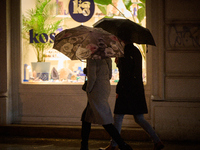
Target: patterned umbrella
(84, 42)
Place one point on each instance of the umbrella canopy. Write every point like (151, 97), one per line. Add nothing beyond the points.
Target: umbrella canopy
(126, 30)
(84, 42)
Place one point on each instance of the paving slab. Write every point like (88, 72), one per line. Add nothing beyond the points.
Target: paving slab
(17, 143)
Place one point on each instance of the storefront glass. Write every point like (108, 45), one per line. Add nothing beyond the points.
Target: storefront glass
(61, 69)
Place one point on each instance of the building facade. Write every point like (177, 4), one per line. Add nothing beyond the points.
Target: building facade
(173, 75)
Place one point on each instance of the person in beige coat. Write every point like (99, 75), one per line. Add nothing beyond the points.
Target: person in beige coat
(97, 111)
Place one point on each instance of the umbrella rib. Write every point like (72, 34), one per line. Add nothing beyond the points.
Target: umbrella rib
(79, 46)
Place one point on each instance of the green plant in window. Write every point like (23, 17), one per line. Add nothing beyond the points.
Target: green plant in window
(38, 25)
(141, 12)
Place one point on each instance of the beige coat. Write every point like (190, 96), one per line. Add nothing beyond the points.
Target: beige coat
(99, 73)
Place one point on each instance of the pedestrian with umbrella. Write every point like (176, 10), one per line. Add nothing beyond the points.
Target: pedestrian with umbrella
(96, 46)
(130, 97)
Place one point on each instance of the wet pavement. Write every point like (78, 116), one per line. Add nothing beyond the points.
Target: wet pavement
(16, 143)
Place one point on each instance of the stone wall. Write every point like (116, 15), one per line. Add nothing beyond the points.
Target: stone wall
(176, 114)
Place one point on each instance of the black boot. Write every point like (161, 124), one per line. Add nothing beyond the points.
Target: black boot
(84, 146)
(110, 128)
(125, 147)
(85, 132)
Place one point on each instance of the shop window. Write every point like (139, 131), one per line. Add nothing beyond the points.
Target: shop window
(62, 70)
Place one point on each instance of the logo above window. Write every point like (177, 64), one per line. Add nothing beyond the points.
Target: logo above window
(81, 10)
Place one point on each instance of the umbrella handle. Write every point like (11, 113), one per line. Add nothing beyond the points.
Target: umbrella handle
(147, 49)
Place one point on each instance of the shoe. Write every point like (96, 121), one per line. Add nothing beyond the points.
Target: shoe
(109, 147)
(158, 146)
(84, 147)
(126, 147)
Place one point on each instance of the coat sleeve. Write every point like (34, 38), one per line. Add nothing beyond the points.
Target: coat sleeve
(91, 74)
(138, 65)
(109, 62)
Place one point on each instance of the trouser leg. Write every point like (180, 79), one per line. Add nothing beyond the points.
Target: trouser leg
(147, 127)
(118, 119)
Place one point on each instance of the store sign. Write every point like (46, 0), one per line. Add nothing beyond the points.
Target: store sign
(81, 10)
(41, 38)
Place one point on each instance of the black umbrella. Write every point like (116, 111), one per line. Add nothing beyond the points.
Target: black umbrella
(126, 29)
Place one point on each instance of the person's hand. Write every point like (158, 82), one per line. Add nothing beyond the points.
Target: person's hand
(117, 96)
(116, 60)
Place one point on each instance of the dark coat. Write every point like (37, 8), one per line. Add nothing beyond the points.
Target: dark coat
(130, 88)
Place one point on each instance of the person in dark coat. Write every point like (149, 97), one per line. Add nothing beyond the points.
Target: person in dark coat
(130, 97)
(130, 88)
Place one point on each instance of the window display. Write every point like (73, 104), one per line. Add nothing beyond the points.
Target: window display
(41, 21)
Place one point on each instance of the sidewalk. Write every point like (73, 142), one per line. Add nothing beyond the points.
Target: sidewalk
(48, 137)
(16, 143)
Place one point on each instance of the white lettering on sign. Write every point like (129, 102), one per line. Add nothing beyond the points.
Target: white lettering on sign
(81, 7)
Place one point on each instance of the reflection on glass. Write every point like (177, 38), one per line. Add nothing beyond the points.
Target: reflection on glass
(62, 69)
